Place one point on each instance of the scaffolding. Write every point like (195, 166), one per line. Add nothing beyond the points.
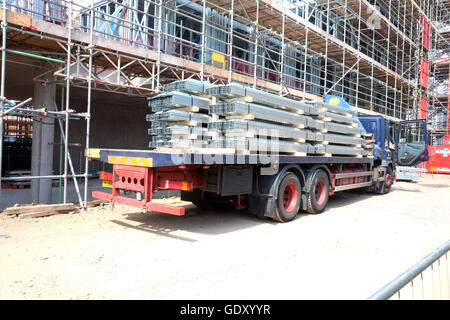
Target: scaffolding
(439, 88)
(370, 52)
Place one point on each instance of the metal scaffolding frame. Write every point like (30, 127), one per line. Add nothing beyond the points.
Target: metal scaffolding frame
(438, 93)
(367, 51)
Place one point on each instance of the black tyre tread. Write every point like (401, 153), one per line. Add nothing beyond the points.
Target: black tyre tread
(387, 190)
(277, 216)
(309, 207)
(381, 188)
(309, 199)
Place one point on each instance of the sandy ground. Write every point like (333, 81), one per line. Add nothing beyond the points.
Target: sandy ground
(361, 242)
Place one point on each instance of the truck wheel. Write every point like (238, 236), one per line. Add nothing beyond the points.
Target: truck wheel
(388, 180)
(288, 198)
(317, 198)
(385, 186)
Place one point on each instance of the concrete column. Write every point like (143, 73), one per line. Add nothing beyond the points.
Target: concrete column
(42, 147)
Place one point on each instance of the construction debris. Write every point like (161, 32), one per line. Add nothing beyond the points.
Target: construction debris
(43, 210)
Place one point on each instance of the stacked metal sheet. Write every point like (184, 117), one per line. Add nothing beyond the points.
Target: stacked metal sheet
(191, 86)
(181, 116)
(177, 115)
(195, 114)
(250, 145)
(246, 117)
(258, 112)
(177, 99)
(234, 90)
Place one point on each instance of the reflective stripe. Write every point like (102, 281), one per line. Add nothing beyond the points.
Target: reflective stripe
(93, 153)
(132, 161)
(107, 184)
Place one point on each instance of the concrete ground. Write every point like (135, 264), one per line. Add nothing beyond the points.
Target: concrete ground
(360, 243)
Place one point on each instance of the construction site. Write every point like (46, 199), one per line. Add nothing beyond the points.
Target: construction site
(223, 135)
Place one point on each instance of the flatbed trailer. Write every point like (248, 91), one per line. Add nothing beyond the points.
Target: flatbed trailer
(269, 186)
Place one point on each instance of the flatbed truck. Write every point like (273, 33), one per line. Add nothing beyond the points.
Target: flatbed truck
(276, 189)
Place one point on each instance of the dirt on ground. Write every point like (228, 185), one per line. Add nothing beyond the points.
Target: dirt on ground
(360, 243)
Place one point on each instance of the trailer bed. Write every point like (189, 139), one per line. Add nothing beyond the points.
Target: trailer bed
(155, 159)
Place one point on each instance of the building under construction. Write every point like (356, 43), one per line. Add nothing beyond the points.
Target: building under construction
(90, 65)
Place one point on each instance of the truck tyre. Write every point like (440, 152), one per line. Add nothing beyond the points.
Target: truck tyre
(385, 186)
(288, 198)
(317, 198)
(388, 180)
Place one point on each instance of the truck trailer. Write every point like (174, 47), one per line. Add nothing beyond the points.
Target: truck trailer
(271, 186)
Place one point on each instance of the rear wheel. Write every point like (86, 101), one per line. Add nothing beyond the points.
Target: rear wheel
(317, 198)
(288, 198)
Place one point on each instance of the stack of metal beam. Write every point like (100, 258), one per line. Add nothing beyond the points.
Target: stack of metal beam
(180, 116)
(249, 119)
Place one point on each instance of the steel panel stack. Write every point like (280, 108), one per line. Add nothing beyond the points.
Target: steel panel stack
(193, 86)
(195, 114)
(180, 116)
(247, 117)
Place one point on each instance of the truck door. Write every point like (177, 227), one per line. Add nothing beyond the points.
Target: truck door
(412, 142)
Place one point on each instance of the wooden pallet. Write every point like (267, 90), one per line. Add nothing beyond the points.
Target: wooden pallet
(241, 116)
(43, 210)
(266, 153)
(337, 155)
(189, 109)
(294, 140)
(17, 173)
(321, 154)
(183, 136)
(24, 184)
(296, 154)
(189, 123)
(323, 118)
(242, 99)
(240, 134)
(341, 114)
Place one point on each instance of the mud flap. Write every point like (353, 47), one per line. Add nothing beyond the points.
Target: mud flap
(261, 206)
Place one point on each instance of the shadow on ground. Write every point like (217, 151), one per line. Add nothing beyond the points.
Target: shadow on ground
(196, 220)
(213, 222)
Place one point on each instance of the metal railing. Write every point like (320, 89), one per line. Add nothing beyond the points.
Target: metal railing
(426, 280)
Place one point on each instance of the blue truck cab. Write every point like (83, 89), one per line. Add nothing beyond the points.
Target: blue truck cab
(403, 143)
